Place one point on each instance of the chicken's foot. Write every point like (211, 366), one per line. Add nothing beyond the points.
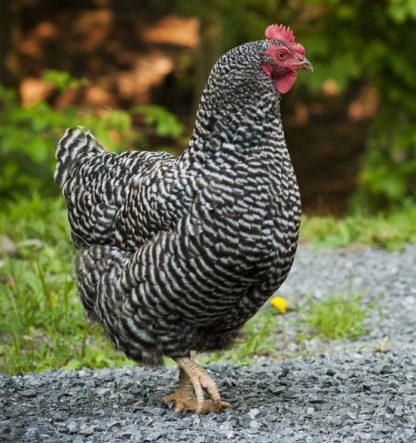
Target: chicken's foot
(193, 380)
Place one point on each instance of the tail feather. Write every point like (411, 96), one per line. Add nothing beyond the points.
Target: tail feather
(76, 142)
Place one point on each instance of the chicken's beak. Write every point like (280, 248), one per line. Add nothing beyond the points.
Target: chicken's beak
(306, 64)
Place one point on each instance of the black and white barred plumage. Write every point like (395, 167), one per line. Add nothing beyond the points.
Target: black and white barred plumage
(178, 253)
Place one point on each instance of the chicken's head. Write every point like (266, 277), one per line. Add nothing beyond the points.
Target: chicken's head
(283, 57)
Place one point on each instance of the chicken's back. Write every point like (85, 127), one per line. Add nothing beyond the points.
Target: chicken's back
(96, 184)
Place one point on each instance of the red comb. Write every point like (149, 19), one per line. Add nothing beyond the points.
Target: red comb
(280, 32)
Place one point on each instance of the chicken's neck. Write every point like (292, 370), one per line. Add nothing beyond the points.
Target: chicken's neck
(239, 129)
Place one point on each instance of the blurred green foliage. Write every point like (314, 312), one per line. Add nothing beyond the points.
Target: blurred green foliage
(63, 80)
(380, 41)
(28, 135)
(390, 230)
(165, 123)
(356, 44)
(158, 121)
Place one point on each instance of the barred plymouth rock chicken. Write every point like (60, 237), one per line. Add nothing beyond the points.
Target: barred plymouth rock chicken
(177, 253)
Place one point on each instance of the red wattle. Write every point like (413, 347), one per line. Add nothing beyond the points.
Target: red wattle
(284, 83)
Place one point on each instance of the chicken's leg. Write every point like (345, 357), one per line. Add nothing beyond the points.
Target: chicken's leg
(193, 380)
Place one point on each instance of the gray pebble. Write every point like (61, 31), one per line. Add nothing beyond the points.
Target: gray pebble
(254, 412)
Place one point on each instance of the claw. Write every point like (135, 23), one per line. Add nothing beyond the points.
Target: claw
(189, 396)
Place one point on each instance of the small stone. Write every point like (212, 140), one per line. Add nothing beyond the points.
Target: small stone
(352, 415)
(376, 389)
(378, 427)
(102, 391)
(225, 427)
(399, 411)
(337, 421)
(253, 413)
(153, 436)
(362, 436)
(284, 373)
(386, 369)
(228, 382)
(315, 399)
(254, 424)
(29, 393)
(87, 430)
(72, 427)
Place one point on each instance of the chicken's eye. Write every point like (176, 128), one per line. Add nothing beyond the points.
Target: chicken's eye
(281, 55)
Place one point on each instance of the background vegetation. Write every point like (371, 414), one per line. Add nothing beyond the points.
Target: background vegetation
(133, 72)
(363, 85)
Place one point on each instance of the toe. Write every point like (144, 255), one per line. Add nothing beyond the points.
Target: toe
(169, 399)
(209, 405)
(208, 383)
(226, 405)
(181, 402)
(179, 408)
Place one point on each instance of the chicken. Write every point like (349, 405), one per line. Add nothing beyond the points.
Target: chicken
(177, 253)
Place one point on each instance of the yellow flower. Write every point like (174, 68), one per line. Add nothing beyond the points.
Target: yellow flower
(280, 304)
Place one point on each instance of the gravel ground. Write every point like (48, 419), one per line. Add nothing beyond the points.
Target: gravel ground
(386, 280)
(348, 393)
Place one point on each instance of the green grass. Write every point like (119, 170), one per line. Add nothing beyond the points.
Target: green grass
(390, 231)
(338, 316)
(42, 322)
